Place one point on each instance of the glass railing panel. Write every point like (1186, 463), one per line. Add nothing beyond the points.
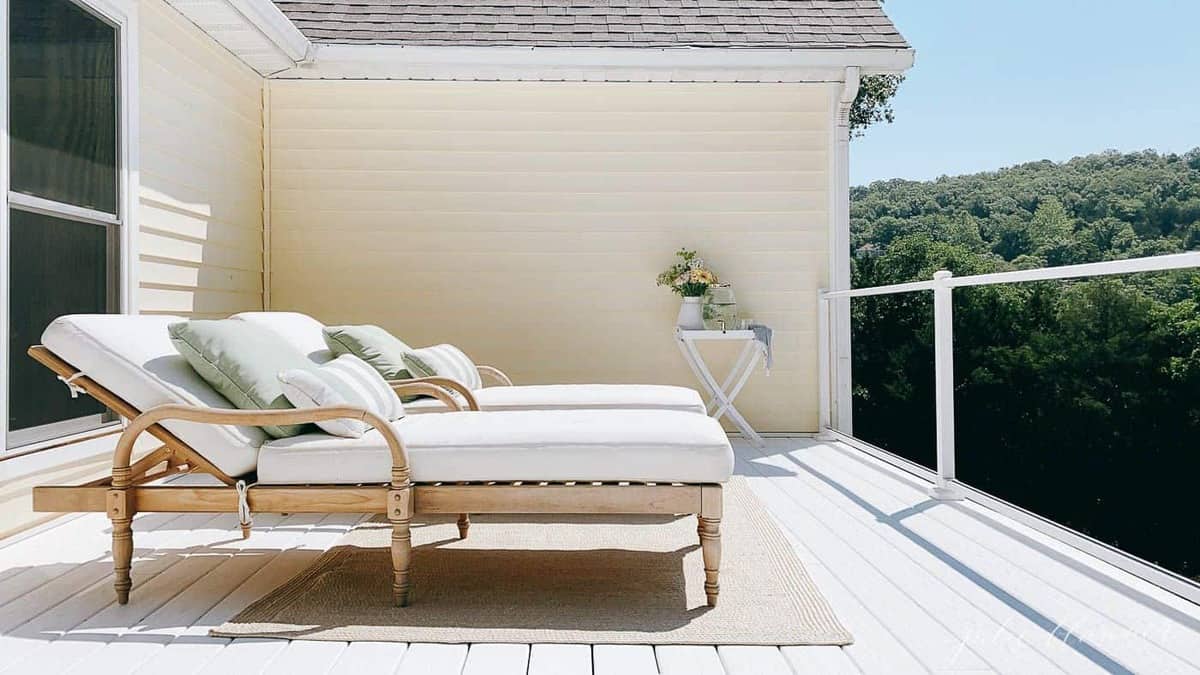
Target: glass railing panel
(1080, 401)
(892, 374)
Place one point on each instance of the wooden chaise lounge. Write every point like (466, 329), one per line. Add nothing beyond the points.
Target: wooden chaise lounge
(541, 462)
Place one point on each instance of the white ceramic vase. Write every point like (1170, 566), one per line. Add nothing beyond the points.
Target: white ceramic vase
(691, 314)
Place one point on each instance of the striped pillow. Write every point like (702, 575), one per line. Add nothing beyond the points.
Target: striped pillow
(346, 380)
(444, 361)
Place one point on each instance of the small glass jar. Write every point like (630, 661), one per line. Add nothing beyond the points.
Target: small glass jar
(720, 308)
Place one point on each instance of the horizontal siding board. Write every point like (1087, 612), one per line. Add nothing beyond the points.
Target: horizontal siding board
(615, 203)
(164, 273)
(200, 245)
(332, 222)
(562, 240)
(542, 140)
(560, 97)
(526, 222)
(188, 301)
(487, 120)
(168, 247)
(189, 226)
(577, 181)
(529, 161)
(235, 166)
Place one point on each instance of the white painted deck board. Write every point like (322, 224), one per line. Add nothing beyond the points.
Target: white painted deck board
(876, 648)
(497, 659)
(433, 659)
(688, 660)
(309, 656)
(819, 660)
(910, 579)
(362, 658)
(980, 639)
(747, 660)
(555, 659)
(1036, 582)
(624, 660)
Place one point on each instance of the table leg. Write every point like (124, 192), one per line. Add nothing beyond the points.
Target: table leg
(743, 375)
(747, 352)
(726, 407)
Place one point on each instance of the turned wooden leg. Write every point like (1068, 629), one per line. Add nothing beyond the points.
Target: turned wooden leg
(709, 528)
(710, 547)
(464, 524)
(400, 514)
(122, 542)
(245, 531)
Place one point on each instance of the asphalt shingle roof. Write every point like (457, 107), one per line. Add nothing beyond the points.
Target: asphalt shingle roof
(784, 24)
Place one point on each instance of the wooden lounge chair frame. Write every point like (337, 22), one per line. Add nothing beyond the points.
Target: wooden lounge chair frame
(485, 372)
(128, 492)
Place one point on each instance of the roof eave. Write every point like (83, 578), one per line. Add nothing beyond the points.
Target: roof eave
(690, 64)
(259, 34)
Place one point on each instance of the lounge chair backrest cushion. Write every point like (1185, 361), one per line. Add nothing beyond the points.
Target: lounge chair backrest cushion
(446, 361)
(242, 361)
(301, 330)
(384, 351)
(132, 356)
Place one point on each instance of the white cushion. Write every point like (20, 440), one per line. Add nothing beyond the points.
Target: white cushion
(132, 356)
(346, 380)
(577, 397)
(582, 445)
(445, 361)
(301, 330)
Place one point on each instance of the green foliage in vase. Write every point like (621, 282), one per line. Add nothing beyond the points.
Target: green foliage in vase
(689, 276)
(1078, 400)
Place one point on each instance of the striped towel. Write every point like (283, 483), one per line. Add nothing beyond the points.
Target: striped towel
(762, 335)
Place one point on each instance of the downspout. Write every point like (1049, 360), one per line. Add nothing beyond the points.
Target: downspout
(839, 252)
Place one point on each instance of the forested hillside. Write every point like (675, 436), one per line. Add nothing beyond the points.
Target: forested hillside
(1077, 400)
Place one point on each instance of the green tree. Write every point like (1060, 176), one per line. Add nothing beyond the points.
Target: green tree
(874, 102)
(1078, 400)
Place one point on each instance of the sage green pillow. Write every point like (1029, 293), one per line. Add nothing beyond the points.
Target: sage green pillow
(242, 361)
(384, 351)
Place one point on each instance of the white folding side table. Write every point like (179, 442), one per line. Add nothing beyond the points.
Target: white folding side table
(721, 404)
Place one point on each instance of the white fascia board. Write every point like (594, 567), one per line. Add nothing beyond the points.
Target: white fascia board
(255, 31)
(270, 20)
(583, 64)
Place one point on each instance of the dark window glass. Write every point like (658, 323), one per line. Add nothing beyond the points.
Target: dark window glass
(63, 104)
(57, 267)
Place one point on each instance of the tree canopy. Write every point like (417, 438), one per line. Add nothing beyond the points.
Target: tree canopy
(1078, 400)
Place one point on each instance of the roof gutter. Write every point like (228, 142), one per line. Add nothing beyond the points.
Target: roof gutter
(255, 31)
(699, 64)
(265, 16)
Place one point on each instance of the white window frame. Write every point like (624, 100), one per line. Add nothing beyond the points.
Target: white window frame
(121, 14)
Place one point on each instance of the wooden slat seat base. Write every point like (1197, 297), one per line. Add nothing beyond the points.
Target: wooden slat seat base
(427, 498)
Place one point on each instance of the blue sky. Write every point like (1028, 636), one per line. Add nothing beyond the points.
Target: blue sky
(1002, 82)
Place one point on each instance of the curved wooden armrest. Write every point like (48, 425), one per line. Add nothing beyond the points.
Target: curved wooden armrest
(445, 383)
(407, 388)
(495, 374)
(187, 413)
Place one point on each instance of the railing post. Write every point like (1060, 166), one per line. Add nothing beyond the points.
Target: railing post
(824, 387)
(943, 382)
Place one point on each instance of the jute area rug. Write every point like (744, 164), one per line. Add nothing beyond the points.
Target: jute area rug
(582, 579)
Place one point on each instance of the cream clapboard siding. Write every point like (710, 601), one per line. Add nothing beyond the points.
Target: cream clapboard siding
(200, 244)
(526, 222)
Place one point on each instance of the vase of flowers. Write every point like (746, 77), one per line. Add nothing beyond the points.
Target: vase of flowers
(690, 278)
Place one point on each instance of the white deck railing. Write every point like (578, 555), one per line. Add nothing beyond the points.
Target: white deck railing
(946, 486)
